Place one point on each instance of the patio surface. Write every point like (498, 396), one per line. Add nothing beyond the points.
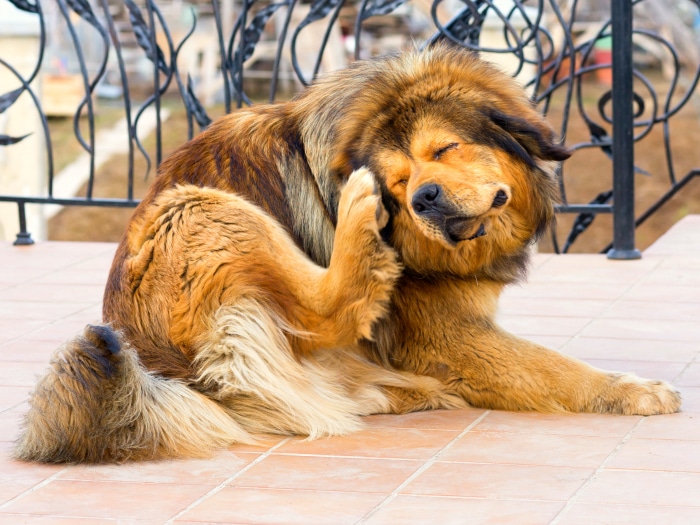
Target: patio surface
(446, 467)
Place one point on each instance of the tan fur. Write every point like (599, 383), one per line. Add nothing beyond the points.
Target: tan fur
(299, 265)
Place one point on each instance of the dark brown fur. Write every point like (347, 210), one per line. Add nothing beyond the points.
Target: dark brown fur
(356, 238)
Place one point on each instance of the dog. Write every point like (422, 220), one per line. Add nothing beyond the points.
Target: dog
(299, 265)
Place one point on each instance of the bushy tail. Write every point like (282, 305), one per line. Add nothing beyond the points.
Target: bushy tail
(97, 403)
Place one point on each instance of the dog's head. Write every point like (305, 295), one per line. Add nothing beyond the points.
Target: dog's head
(464, 159)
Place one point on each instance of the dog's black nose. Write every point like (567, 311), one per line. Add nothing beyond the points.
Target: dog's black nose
(500, 199)
(426, 198)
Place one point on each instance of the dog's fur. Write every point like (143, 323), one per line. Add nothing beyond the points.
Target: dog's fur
(299, 265)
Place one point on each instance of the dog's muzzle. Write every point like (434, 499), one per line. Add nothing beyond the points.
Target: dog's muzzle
(431, 204)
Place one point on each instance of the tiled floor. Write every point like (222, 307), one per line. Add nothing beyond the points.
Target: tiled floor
(461, 467)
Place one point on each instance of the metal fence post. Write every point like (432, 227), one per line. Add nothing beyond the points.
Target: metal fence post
(623, 133)
(24, 238)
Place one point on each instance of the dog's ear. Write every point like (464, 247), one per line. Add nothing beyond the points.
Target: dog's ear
(529, 139)
(341, 164)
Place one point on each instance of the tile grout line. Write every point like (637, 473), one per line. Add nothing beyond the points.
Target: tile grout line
(594, 477)
(224, 483)
(33, 488)
(679, 375)
(67, 266)
(53, 322)
(422, 469)
(610, 305)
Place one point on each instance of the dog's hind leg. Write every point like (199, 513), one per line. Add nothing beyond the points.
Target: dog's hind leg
(339, 305)
(363, 269)
(98, 404)
(248, 254)
(247, 364)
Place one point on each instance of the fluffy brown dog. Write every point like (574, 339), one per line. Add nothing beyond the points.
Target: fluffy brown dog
(299, 265)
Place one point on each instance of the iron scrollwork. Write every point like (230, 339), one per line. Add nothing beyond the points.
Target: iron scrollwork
(542, 38)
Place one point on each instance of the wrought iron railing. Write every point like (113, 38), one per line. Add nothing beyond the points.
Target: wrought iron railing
(549, 45)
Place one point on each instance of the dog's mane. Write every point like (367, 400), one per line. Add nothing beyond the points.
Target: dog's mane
(345, 114)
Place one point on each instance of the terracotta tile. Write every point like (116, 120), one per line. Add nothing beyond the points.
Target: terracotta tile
(69, 293)
(108, 499)
(690, 376)
(458, 511)
(531, 449)
(63, 331)
(188, 522)
(480, 480)
(264, 443)
(324, 473)
(660, 330)
(553, 342)
(553, 290)
(538, 259)
(90, 314)
(664, 293)
(679, 271)
(531, 325)
(638, 487)
(562, 307)
(375, 443)
(684, 425)
(72, 276)
(210, 471)
(29, 519)
(691, 397)
(672, 247)
(39, 310)
(658, 454)
(603, 425)
(14, 373)
(16, 276)
(653, 310)
(54, 255)
(28, 260)
(648, 369)
(10, 423)
(101, 262)
(287, 507)
(11, 396)
(18, 476)
(28, 351)
(590, 513)
(11, 329)
(638, 349)
(430, 419)
(683, 232)
(587, 268)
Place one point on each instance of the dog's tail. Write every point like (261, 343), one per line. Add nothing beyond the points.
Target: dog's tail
(97, 403)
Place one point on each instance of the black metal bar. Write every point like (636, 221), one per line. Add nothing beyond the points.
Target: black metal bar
(125, 90)
(583, 208)
(21, 200)
(623, 129)
(24, 238)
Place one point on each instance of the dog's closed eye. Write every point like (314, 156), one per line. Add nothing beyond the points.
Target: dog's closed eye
(444, 149)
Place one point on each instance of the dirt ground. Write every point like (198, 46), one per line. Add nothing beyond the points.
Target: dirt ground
(586, 174)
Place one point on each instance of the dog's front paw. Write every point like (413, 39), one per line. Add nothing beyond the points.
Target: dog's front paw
(632, 395)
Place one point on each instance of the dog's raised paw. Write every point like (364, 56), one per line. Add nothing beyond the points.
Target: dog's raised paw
(360, 201)
(363, 267)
